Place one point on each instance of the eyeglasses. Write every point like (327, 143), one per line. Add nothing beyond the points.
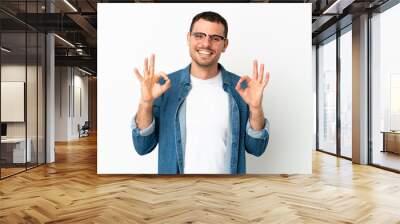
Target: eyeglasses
(199, 36)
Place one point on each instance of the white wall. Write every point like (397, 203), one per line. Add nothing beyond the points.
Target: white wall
(61, 103)
(17, 73)
(69, 82)
(262, 31)
(80, 89)
(12, 100)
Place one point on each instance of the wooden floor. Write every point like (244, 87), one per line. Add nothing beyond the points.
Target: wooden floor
(70, 191)
(5, 172)
(8, 171)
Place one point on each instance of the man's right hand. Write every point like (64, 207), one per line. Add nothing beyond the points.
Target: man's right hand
(149, 82)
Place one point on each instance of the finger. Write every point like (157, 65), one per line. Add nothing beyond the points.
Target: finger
(151, 64)
(146, 68)
(165, 76)
(167, 83)
(255, 69)
(238, 85)
(266, 80)
(156, 78)
(138, 76)
(261, 75)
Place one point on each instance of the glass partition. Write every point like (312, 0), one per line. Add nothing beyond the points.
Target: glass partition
(41, 109)
(22, 67)
(385, 89)
(13, 109)
(32, 95)
(327, 96)
(346, 94)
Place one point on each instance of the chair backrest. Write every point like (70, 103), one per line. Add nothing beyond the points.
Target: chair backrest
(86, 125)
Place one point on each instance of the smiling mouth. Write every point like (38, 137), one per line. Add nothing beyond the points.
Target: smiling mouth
(206, 53)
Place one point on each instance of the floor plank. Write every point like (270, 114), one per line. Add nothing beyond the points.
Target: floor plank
(70, 191)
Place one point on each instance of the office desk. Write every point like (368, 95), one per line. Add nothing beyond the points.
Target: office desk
(391, 141)
(15, 148)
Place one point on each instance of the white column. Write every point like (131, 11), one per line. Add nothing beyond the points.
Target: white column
(50, 92)
(360, 90)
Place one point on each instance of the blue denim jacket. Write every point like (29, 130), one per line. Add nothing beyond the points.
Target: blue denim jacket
(168, 128)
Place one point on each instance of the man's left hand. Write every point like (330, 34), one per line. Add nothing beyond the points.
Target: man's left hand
(253, 93)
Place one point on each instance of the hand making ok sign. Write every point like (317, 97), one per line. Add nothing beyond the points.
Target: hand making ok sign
(253, 93)
(149, 82)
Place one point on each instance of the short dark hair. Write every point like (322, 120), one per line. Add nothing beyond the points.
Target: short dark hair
(211, 17)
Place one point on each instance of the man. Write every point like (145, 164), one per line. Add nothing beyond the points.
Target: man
(203, 117)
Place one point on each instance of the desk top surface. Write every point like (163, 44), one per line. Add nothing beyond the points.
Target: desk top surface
(390, 132)
(13, 140)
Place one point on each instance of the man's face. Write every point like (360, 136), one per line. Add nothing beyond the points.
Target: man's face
(205, 51)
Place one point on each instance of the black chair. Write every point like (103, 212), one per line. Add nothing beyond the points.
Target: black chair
(84, 130)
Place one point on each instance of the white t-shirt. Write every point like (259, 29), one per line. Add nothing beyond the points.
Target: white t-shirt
(207, 126)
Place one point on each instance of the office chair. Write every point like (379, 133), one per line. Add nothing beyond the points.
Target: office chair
(84, 130)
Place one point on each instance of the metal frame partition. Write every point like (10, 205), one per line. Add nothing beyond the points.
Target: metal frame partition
(337, 35)
(339, 32)
(382, 8)
(30, 30)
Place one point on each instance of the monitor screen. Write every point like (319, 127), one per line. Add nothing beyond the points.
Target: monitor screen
(3, 129)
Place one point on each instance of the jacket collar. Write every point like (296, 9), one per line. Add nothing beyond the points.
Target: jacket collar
(185, 77)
